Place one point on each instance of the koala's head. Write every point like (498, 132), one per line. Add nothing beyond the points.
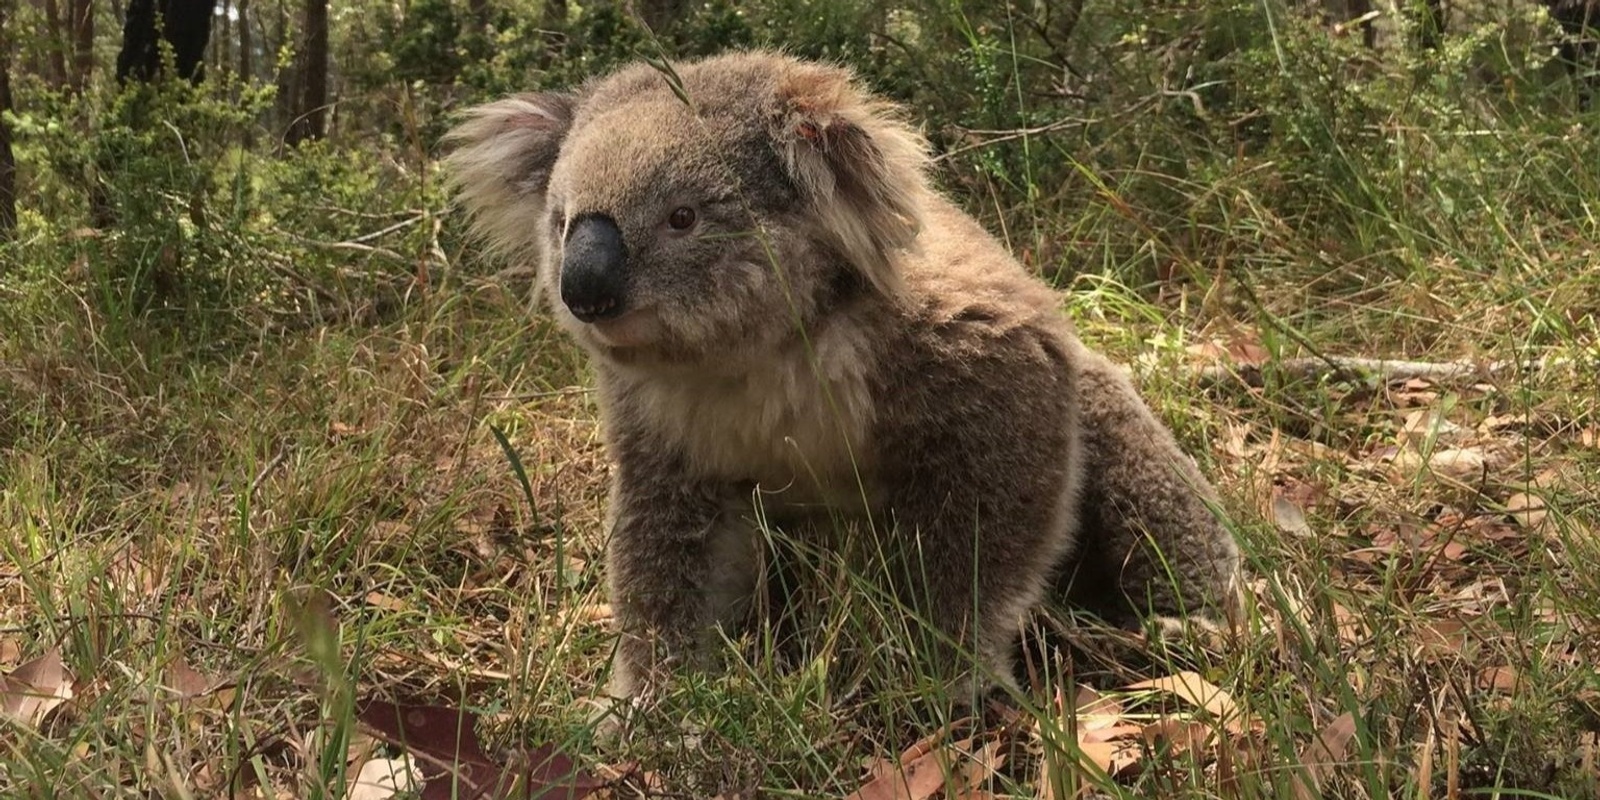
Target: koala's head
(700, 213)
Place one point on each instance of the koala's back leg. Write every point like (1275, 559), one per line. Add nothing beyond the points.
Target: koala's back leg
(980, 474)
(1151, 544)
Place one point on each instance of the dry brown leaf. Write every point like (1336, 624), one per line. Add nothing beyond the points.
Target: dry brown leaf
(1110, 733)
(185, 680)
(1443, 636)
(1503, 679)
(1289, 517)
(982, 766)
(1178, 736)
(1461, 463)
(879, 767)
(1527, 509)
(591, 613)
(1207, 353)
(1094, 710)
(1350, 626)
(453, 763)
(1248, 351)
(382, 778)
(916, 779)
(34, 689)
(1323, 754)
(379, 600)
(1195, 689)
(10, 651)
(1426, 424)
(1114, 758)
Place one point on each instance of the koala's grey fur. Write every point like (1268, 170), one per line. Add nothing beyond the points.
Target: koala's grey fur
(833, 333)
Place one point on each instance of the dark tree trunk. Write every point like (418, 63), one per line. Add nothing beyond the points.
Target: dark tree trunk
(285, 102)
(1431, 26)
(246, 67)
(81, 17)
(57, 47)
(1580, 46)
(311, 114)
(185, 24)
(661, 15)
(8, 160)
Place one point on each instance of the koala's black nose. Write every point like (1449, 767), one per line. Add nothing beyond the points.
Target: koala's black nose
(594, 268)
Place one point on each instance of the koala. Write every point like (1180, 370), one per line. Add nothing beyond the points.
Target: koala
(781, 310)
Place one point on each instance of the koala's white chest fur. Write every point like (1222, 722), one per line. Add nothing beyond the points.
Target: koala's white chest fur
(796, 423)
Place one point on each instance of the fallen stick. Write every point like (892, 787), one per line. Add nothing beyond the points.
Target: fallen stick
(1388, 370)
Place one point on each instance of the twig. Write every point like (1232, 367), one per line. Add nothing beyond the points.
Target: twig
(1388, 370)
(1000, 136)
(570, 391)
(381, 232)
(265, 471)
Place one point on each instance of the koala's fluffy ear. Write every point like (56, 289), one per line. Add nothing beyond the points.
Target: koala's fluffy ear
(499, 166)
(860, 167)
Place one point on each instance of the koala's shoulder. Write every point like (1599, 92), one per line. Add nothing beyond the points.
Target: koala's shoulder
(961, 273)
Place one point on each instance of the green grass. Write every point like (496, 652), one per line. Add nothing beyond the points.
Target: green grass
(183, 508)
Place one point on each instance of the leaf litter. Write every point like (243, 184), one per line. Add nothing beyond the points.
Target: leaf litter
(35, 688)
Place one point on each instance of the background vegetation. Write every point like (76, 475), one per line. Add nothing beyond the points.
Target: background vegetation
(276, 441)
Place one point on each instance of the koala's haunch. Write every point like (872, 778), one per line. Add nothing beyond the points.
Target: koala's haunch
(775, 301)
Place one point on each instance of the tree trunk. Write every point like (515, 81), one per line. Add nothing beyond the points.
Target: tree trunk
(284, 72)
(56, 48)
(8, 159)
(661, 15)
(185, 24)
(311, 114)
(246, 67)
(81, 17)
(221, 40)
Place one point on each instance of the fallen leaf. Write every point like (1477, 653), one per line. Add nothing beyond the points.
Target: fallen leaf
(1193, 688)
(1461, 463)
(1500, 679)
(1426, 424)
(379, 600)
(917, 779)
(978, 769)
(1207, 352)
(1443, 636)
(382, 778)
(1527, 509)
(1289, 517)
(1177, 736)
(1323, 754)
(879, 767)
(186, 681)
(1114, 758)
(34, 689)
(1248, 352)
(445, 743)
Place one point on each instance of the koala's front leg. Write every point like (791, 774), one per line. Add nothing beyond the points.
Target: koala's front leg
(679, 561)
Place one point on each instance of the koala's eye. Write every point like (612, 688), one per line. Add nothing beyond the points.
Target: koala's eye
(681, 218)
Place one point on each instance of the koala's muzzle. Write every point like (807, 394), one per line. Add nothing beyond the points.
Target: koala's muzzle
(594, 274)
